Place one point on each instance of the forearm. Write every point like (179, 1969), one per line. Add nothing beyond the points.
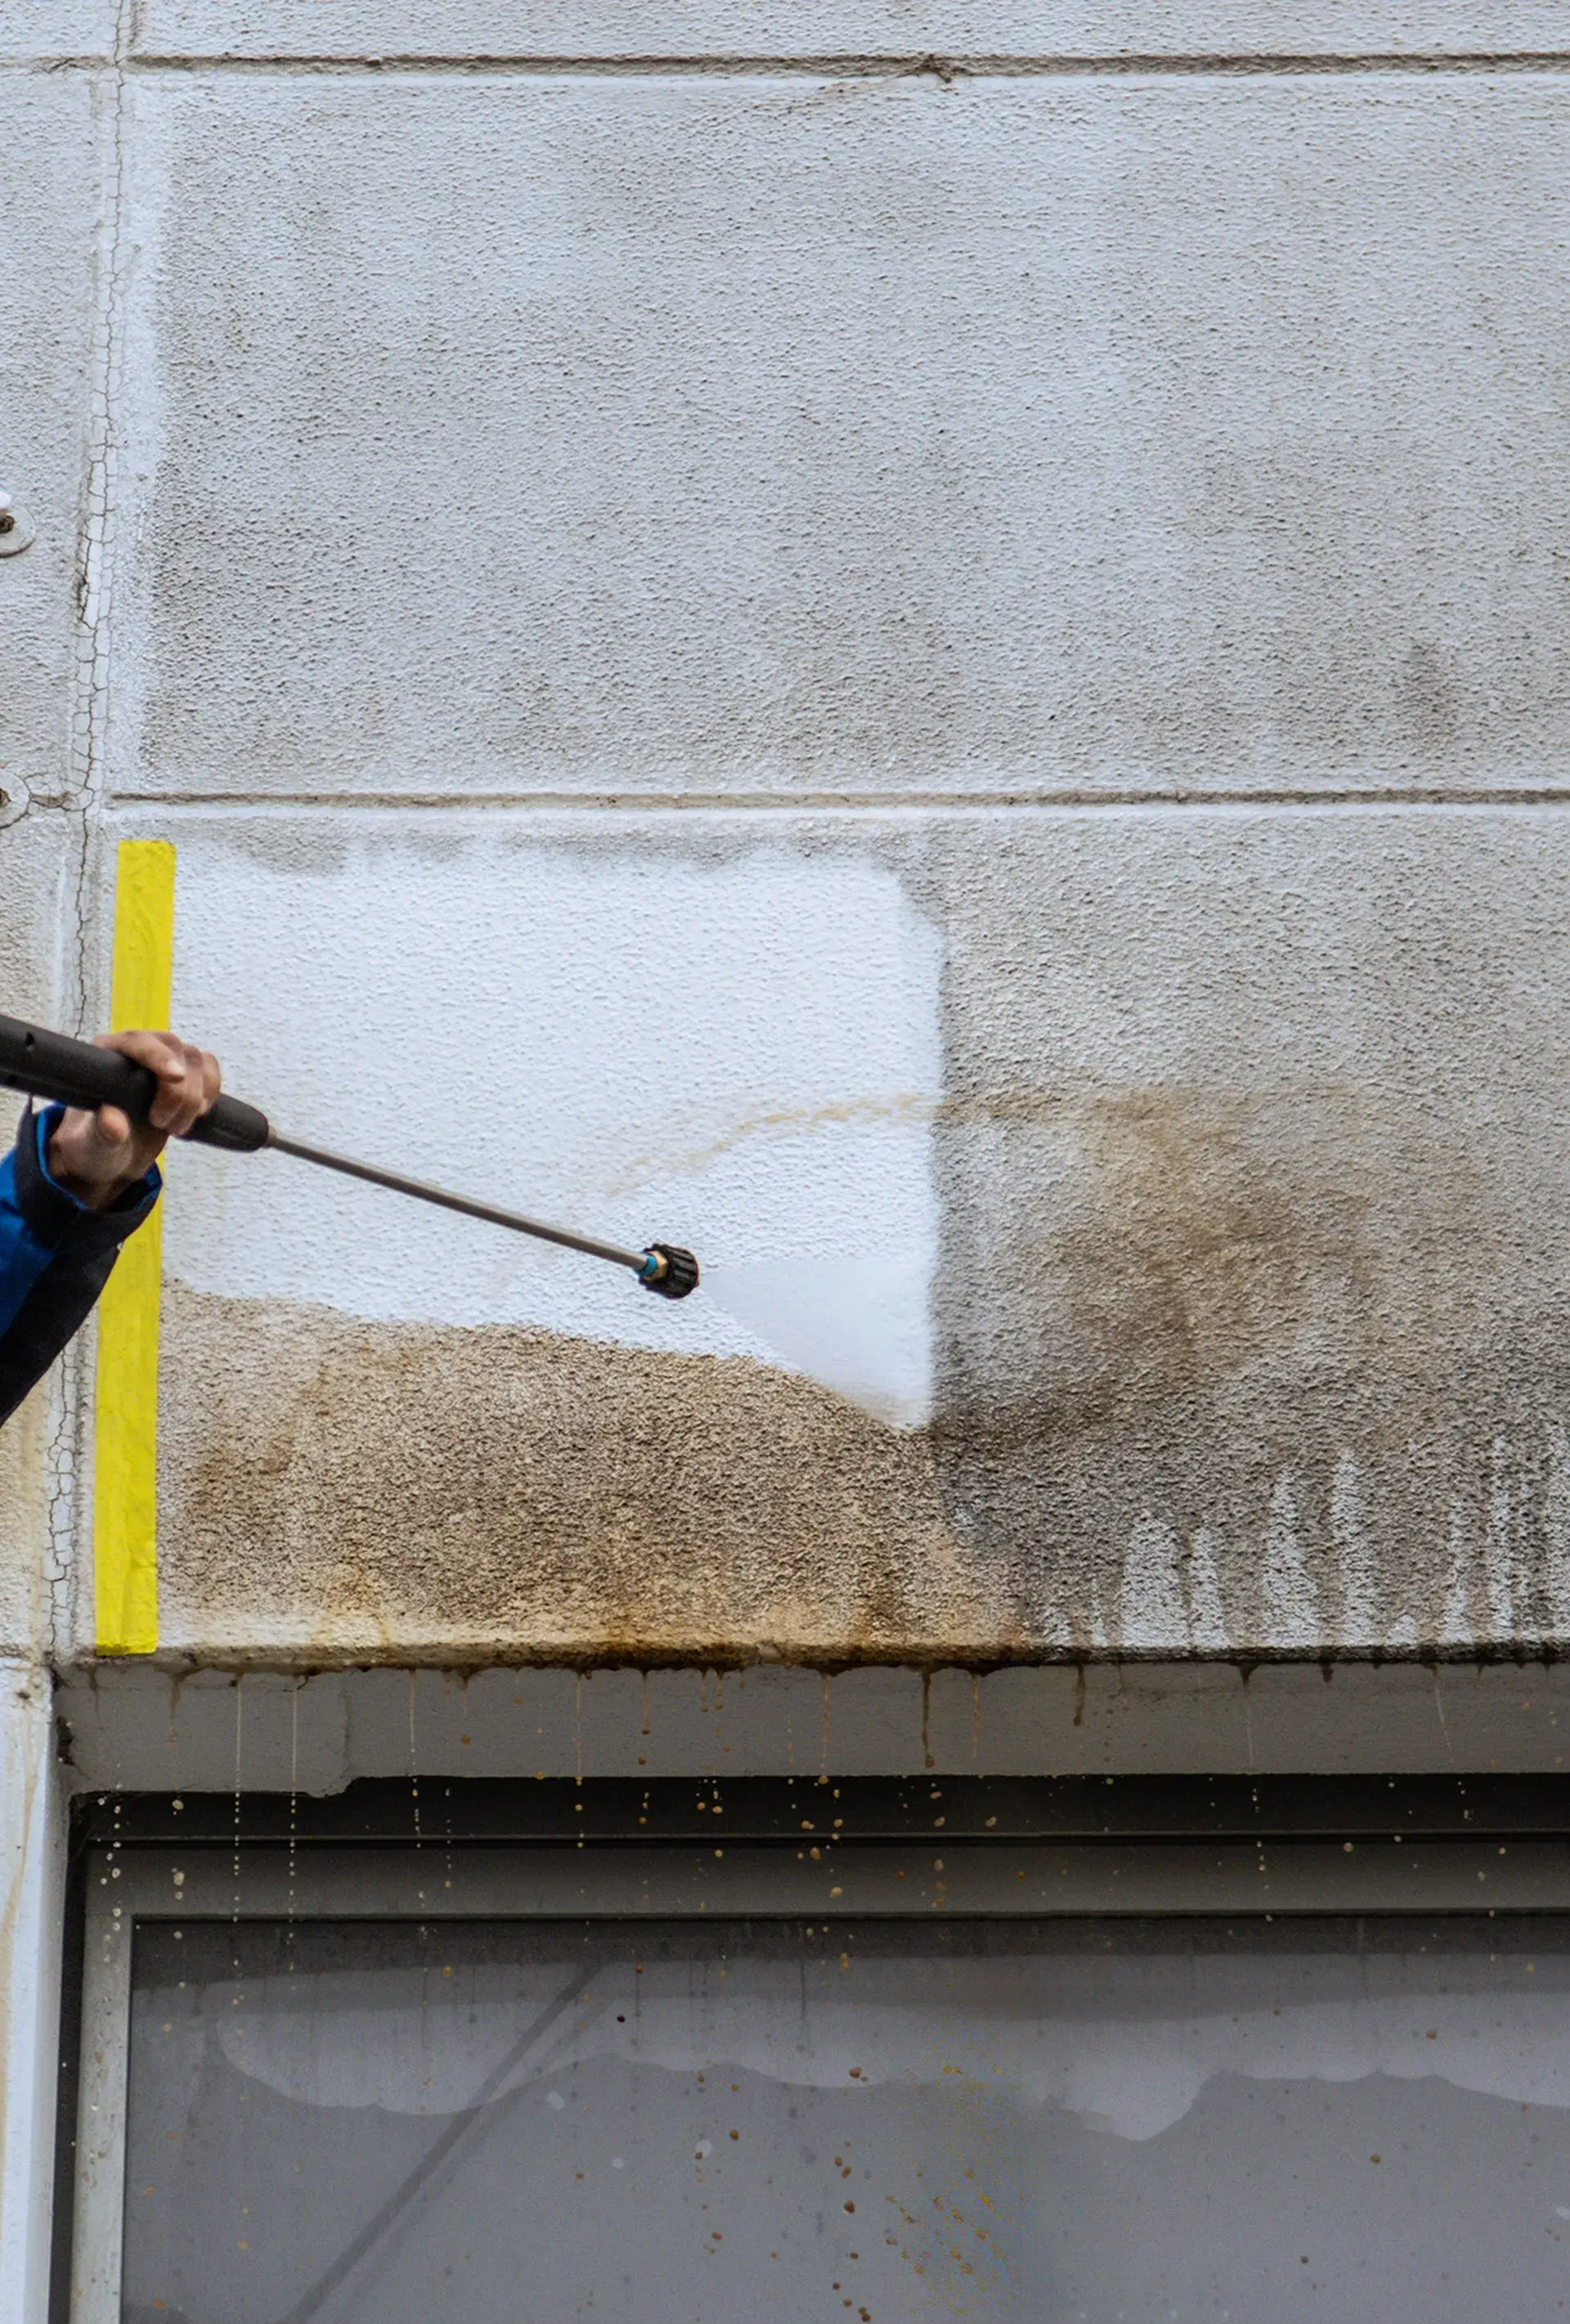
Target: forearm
(24, 1258)
(56, 1255)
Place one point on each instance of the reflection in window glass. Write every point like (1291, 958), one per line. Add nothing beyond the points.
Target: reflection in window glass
(1014, 2121)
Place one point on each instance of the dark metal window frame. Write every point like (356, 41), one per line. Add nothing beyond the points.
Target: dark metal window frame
(825, 1849)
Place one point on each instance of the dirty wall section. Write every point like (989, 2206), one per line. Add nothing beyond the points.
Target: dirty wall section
(940, 674)
(1240, 1285)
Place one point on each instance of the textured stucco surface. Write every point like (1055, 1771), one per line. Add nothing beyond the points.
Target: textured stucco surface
(1178, 453)
(39, 859)
(55, 141)
(844, 28)
(1247, 1149)
(353, 1491)
(859, 436)
(1253, 1292)
(722, 1033)
(80, 30)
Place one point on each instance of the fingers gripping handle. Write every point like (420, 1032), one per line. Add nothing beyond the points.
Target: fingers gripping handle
(73, 1073)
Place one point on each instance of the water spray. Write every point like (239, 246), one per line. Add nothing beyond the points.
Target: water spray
(41, 1064)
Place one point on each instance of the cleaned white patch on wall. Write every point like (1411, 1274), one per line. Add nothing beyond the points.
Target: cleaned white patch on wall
(740, 1055)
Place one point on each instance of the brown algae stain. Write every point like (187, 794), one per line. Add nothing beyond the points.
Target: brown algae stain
(1218, 1371)
(1243, 1316)
(367, 1489)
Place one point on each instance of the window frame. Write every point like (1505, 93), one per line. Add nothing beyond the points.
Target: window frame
(1325, 1858)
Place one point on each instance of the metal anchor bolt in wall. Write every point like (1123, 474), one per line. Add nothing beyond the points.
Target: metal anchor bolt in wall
(16, 528)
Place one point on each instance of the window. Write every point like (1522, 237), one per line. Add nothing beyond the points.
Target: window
(927, 2072)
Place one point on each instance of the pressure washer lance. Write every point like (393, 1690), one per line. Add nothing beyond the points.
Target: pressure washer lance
(73, 1073)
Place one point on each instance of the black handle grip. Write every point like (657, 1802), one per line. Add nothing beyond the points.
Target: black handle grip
(73, 1073)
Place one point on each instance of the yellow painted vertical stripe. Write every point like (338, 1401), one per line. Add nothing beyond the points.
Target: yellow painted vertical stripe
(125, 1433)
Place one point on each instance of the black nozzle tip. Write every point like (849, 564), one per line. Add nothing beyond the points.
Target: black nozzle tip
(670, 1271)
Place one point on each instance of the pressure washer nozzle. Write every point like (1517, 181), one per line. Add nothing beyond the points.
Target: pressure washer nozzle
(669, 1271)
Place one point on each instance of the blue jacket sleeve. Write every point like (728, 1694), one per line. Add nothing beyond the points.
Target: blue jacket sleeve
(55, 1256)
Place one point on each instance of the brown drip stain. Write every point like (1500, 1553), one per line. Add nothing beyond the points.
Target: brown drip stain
(1197, 1307)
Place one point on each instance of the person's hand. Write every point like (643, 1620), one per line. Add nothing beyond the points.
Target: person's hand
(97, 1156)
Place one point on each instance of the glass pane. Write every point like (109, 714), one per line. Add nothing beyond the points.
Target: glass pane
(1113, 2123)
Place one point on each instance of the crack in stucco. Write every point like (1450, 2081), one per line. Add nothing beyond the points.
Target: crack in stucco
(94, 576)
(65, 1471)
(874, 65)
(1110, 797)
(84, 794)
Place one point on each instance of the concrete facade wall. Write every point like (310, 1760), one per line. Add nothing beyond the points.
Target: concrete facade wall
(925, 647)
(930, 654)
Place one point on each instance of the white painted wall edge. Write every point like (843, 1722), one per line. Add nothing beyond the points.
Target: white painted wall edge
(32, 1915)
(144, 1728)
